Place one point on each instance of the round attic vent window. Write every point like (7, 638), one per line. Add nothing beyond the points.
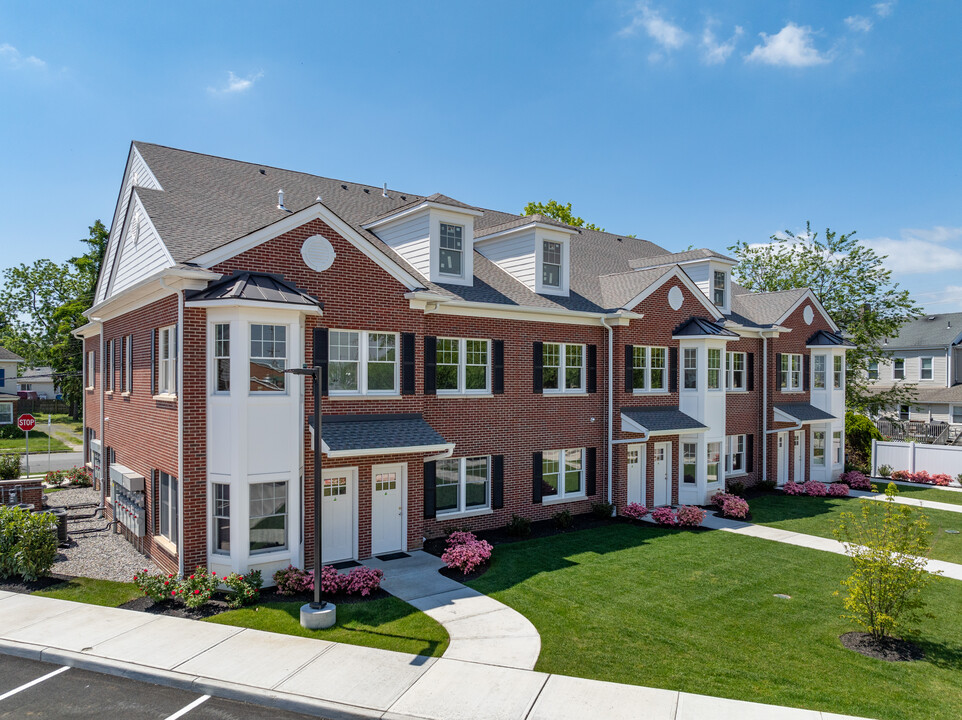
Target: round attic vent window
(808, 315)
(318, 253)
(675, 297)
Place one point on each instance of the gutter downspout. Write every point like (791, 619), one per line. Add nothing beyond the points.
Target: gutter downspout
(103, 446)
(610, 418)
(180, 430)
(764, 407)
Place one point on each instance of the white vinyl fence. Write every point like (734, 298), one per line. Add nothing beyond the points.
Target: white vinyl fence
(914, 457)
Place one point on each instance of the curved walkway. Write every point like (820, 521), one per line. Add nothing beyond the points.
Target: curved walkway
(482, 630)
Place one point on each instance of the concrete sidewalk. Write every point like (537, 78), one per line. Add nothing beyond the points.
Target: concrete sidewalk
(333, 680)
(914, 502)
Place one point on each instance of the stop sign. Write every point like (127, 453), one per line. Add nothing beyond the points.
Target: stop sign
(26, 422)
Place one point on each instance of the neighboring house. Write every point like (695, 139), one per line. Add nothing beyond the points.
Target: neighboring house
(38, 380)
(9, 364)
(476, 365)
(926, 354)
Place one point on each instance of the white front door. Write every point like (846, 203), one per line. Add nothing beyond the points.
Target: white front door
(387, 508)
(798, 455)
(636, 474)
(338, 526)
(662, 474)
(782, 465)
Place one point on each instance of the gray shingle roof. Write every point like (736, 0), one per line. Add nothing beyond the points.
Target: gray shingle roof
(700, 327)
(928, 331)
(764, 308)
(521, 222)
(937, 395)
(618, 289)
(343, 433)
(261, 287)
(803, 412)
(9, 355)
(679, 257)
(662, 418)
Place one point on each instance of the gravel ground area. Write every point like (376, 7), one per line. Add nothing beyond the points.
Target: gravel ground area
(104, 555)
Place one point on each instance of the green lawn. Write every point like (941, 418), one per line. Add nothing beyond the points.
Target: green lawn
(923, 493)
(93, 592)
(38, 443)
(694, 611)
(387, 623)
(76, 426)
(818, 516)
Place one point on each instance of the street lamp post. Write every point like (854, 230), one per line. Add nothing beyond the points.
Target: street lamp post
(317, 614)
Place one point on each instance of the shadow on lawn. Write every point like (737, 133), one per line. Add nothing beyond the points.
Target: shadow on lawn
(776, 506)
(941, 655)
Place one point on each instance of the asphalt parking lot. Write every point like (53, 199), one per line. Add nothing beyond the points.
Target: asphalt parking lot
(42, 691)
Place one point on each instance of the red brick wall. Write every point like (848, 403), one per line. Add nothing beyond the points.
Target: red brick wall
(743, 410)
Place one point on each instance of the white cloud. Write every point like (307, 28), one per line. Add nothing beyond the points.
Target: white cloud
(920, 252)
(13, 58)
(717, 53)
(791, 46)
(884, 9)
(938, 234)
(668, 35)
(859, 23)
(237, 84)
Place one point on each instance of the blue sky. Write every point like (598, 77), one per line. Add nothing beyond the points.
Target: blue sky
(682, 122)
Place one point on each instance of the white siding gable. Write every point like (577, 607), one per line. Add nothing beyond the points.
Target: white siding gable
(515, 255)
(410, 237)
(141, 254)
(703, 275)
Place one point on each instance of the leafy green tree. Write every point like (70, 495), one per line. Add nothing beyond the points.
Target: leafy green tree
(556, 210)
(853, 285)
(888, 544)
(859, 433)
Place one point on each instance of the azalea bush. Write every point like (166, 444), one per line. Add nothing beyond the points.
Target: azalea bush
(814, 488)
(665, 516)
(465, 552)
(634, 511)
(793, 488)
(730, 506)
(690, 516)
(332, 582)
(921, 476)
(197, 589)
(942, 479)
(244, 589)
(901, 475)
(838, 490)
(293, 581)
(363, 581)
(856, 480)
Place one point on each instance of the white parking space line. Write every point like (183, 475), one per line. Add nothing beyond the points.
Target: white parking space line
(34, 682)
(184, 710)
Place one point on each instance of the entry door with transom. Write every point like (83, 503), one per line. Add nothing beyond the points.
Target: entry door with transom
(662, 464)
(782, 456)
(387, 508)
(338, 526)
(798, 456)
(636, 474)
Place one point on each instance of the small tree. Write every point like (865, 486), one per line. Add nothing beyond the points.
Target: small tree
(888, 544)
(859, 433)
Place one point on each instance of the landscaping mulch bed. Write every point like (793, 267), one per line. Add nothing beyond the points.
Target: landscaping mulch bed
(461, 577)
(888, 649)
(18, 585)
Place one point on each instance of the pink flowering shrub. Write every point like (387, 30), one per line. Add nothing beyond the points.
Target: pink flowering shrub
(362, 581)
(815, 489)
(901, 475)
(856, 480)
(922, 477)
(838, 490)
(690, 516)
(665, 516)
(293, 581)
(718, 498)
(793, 488)
(734, 507)
(941, 479)
(465, 552)
(332, 582)
(634, 511)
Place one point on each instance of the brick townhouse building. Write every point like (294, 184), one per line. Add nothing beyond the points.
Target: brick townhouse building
(476, 365)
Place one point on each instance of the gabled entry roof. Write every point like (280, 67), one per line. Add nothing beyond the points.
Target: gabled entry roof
(800, 413)
(387, 434)
(659, 420)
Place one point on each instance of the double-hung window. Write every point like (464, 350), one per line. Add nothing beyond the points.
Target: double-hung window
(713, 458)
(838, 372)
(898, 369)
(109, 366)
(790, 372)
(925, 368)
(735, 455)
(6, 413)
(562, 473)
(222, 358)
(819, 371)
(735, 367)
(837, 447)
(128, 367)
(714, 368)
(362, 363)
(873, 369)
(221, 517)
(563, 367)
(268, 516)
(551, 264)
(648, 368)
(168, 507)
(903, 412)
(268, 358)
(957, 414)
(451, 251)
(818, 447)
(167, 360)
(689, 463)
(462, 365)
(462, 485)
(91, 369)
(690, 359)
(719, 289)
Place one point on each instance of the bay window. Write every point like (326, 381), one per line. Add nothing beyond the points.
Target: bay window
(362, 363)
(818, 448)
(648, 368)
(691, 368)
(462, 485)
(222, 357)
(837, 447)
(562, 473)
(819, 371)
(221, 517)
(714, 368)
(462, 365)
(838, 372)
(563, 367)
(689, 460)
(268, 358)
(268, 516)
(713, 457)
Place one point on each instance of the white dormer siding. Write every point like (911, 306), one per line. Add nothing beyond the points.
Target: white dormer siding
(520, 252)
(703, 275)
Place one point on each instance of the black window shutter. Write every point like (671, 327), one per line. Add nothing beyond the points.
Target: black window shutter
(536, 469)
(153, 362)
(430, 364)
(591, 368)
(673, 369)
(806, 372)
(778, 371)
(751, 371)
(590, 471)
(430, 475)
(497, 482)
(537, 379)
(497, 368)
(749, 453)
(320, 352)
(407, 363)
(629, 368)
(155, 506)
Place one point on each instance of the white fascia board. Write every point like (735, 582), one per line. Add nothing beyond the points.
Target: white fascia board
(686, 431)
(160, 284)
(722, 338)
(388, 451)
(526, 228)
(682, 263)
(419, 208)
(809, 295)
(797, 421)
(133, 205)
(263, 304)
(91, 329)
(750, 332)
(686, 281)
(317, 211)
(443, 305)
(116, 219)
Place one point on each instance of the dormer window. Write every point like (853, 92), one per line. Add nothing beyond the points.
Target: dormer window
(718, 286)
(451, 253)
(551, 264)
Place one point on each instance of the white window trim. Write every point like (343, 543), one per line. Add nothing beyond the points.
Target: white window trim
(720, 387)
(648, 389)
(895, 361)
(541, 237)
(682, 462)
(789, 386)
(562, 496)
(285, 548)
(841, 448)
(128, 364)
(563, 369)
(214, 357)
(730, 372)
(720, 472)
(8, 406)
(362, 360)
(463, 250)
(109, 366)
(288, 334)
(825, 449)
(931, 369)
(462, 510)
(869, 370)
(91, 369)
(838, 374)
(214, 516)
(723, 288)
(731, 450)
(824, 373)
(682, 384)
(951, 414)
(167, 378)
(172, 541)
(461, 389)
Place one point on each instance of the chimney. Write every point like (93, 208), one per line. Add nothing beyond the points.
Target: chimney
(280, 200)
